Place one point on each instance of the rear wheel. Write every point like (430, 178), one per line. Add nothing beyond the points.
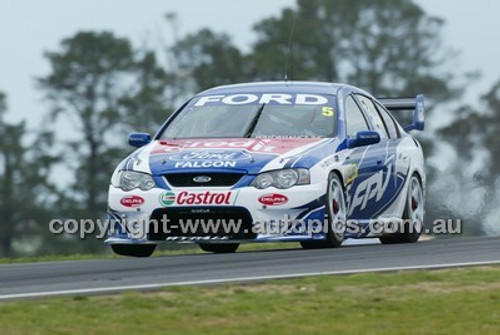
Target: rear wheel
(134, 250)
(413, 215)
(337, 215)
(225, 248)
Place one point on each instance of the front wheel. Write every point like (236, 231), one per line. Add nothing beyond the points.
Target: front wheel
(336, 210)
(225, 248)
(134, 250)
(413, 216)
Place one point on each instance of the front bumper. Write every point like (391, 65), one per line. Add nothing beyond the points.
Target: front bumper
(264, 215)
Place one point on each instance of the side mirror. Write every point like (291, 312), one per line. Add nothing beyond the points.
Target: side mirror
(363, 138)
(139, 139)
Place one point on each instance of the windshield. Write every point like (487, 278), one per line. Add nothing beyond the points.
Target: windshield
(257, 116)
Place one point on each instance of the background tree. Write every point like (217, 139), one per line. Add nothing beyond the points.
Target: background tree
(85, 87)
(25, 165)
(99, 90)
(145, 103)
(388, 47)
(209, 59)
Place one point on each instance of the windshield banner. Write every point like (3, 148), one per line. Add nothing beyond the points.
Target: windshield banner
(264, 98)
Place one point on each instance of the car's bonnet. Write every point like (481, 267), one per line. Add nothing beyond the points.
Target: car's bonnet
(248, 155)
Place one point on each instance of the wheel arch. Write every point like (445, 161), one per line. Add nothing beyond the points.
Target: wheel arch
(339, 175)
(418, 174)
(420, 177)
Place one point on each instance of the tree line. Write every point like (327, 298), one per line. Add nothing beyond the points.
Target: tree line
(101, 86)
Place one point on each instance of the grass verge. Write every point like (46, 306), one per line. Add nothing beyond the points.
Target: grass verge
(456, 301)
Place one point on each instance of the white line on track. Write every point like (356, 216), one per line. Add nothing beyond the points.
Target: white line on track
(114, 289)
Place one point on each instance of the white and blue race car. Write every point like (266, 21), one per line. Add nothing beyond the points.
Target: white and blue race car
(307, 162)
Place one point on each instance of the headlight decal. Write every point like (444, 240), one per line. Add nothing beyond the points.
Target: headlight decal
(130, 180)
(282, 179)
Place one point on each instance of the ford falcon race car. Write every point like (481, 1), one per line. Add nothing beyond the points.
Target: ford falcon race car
(308, 162)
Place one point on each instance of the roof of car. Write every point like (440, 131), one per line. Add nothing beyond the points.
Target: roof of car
(277, 86)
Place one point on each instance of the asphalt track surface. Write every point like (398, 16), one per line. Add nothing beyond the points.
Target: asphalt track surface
(33, 280)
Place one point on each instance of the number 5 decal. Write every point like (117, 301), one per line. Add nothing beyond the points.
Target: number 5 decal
(327, 111)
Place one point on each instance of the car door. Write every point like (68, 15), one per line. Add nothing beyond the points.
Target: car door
(368, 194)
(400, 154)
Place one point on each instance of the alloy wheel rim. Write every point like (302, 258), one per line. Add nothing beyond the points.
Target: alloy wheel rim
(416, 203)
(337, 208)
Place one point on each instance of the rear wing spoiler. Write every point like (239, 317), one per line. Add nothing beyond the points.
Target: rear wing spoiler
(408, 104)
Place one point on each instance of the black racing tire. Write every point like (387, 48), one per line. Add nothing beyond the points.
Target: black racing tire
(335, 205)
(134, 250)
(413, 214)
(223, 248)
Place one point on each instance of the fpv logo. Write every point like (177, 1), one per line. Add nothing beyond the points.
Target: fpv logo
(372, 188)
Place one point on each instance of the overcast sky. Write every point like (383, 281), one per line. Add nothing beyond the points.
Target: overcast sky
(28, 28)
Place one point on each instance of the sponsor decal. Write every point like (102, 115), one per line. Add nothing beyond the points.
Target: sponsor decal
(273, 199)
(271, 98)
(208, 159)
(351, 173)
(198, 198)
(250, 144)
(205, 164)
(327, 163)
(204, 198)
(284, 136)
(209, 155)
(195, 150)
(200, 210)
(195, 238)
(167, 198)
(372, 188)
(132, 201)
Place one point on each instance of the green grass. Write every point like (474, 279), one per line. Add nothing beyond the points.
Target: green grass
(458, 301)
(186, 249)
